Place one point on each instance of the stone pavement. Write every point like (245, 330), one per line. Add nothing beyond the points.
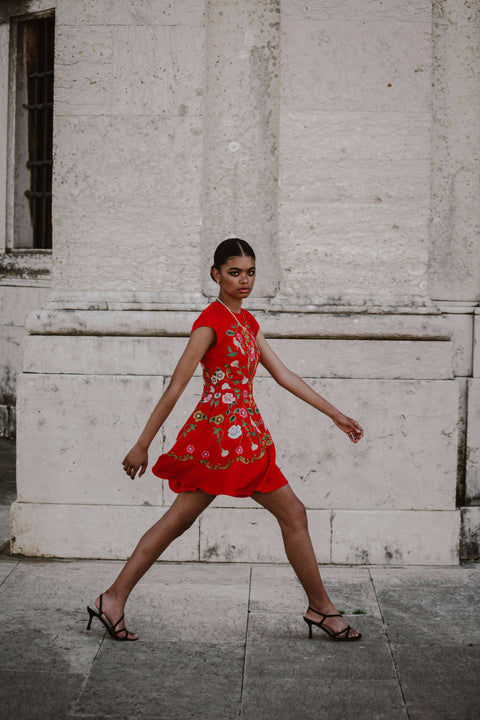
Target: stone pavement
(224, 641)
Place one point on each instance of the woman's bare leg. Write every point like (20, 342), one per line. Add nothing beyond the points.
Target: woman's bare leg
(185, 509)
(291, 515)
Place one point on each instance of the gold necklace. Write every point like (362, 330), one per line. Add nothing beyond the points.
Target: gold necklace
(245, 331)
(232, 313)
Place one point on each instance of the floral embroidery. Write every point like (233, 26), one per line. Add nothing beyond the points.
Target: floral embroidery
(234, 432)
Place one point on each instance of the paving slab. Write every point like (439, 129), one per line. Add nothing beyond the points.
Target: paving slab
(5, 569)
(275, 588)
(192, 603)
(278, 698)
(440, 682)
(429, 605)
(172, 681)
(36, 695)
(274, 637)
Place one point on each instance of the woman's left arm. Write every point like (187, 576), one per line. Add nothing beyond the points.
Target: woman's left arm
(292, 382)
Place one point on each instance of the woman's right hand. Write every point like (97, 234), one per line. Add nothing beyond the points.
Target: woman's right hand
(135, 459)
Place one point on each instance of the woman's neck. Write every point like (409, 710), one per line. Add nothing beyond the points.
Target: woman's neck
(231, 303)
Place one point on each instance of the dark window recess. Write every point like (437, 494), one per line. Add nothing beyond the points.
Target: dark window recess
(38, 39)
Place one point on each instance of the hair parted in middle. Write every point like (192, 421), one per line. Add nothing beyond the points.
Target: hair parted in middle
(230, 248)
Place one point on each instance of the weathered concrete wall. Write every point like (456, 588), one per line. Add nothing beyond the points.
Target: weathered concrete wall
(373, 488)
(355, 151)
(129, 83)
(308, 129)
(16, 302)
(240, 188)
(455, 216)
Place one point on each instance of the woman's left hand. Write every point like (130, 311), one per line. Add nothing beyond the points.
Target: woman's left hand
(349, 426)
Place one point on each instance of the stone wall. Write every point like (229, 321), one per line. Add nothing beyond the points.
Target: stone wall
(318, 131)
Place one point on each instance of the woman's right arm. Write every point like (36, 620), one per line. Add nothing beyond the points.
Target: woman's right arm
(200, 340)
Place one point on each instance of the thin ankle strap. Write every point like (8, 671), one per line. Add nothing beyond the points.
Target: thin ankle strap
(118, 621)
(324, 615)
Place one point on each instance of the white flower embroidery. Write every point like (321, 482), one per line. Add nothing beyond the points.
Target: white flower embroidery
(220, 375)
(238, 345)
(228, 398)
(234, 432)
(206, 399)
(226, 386)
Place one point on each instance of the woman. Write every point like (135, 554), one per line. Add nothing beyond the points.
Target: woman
(224, 447)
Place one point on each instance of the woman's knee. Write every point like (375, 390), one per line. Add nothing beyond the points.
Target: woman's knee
(296, 518)
(181, 522)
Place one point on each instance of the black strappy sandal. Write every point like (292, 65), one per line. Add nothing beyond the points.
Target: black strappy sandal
(340, 635)
(110, 628)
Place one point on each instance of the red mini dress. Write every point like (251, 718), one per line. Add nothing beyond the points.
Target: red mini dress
(224, 447)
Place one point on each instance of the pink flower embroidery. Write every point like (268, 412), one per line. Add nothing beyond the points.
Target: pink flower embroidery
(205, 454)
(243, 413)
(228, 398)
(190, 448)
(239, 450)
(245, 393)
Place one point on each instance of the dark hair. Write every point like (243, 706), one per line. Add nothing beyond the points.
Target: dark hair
(230, 248)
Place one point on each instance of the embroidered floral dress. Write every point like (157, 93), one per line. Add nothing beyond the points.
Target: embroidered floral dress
(224, 447)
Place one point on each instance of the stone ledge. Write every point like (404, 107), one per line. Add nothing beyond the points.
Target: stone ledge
(419, 537)
(237, 534)
(341, 324)
(91, 355)
(90, 531)
(25, 265)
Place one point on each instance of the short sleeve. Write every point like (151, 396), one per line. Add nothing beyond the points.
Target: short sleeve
(207, 318)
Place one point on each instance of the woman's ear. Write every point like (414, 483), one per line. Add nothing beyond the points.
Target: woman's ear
(215, 274)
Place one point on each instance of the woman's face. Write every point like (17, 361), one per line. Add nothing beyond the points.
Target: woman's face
(236, 277)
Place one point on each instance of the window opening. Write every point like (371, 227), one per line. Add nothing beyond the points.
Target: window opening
(35, 59)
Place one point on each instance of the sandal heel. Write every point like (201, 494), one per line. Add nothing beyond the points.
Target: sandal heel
(309, 623)
(92, 615)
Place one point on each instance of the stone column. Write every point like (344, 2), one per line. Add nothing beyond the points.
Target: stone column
(455, 190)
(240, 173)
(454, 267)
